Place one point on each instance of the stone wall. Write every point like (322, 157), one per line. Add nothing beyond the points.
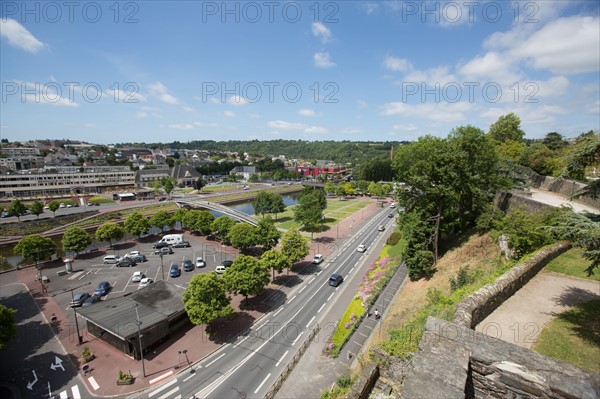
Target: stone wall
(455, 361)
(565, 187)
(506, 201)
(478, 306)
(365, 382)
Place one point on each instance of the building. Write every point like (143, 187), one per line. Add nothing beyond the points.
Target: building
(159, 308)
(312, 171)
(20, 151)
(245, 171)
(185, 175)
(146, 177)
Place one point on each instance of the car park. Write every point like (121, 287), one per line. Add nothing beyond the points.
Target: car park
(145, 282)
(111, 259)
(164, 251)
(381, 228)
(318, 258)
(188, 265)
(361, 248)
(132, 254)
(139, 258)
(160, 245)
(102, 288)
(91, 300)
(220, 269)
(79, 299)
(182, 244)
(335, 280)
(125, 262)
(175, 271)
(200, 262)
(137, 277)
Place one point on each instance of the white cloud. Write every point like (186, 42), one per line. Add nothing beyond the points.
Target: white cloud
(90, 125)
(323, 60)
(159, 91)
(405, 127)
(285, 125)
(566, 45)
(307, 112)
(141, 114)
(350, 130)
(182, 126)
(316, 130)
(229, 114)
(237, 100)
(362, 104)
(120, 96)
(594, 108)
(441, 75)
(19, 37)
(438, 112)
(322, 32)
(187, 108)
(491, 67)
(44, 94)
(254, 116)
(370, 8)
(397, 64)
(553, 87)
(202, 124)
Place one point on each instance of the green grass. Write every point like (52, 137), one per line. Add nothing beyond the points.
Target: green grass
(574, 337)
(101, 200)
(572, 263)
(341, 334)
(335, 212)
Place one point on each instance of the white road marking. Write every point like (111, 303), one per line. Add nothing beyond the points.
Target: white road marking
(302, 289)
(291, 299)
(168, 394)
(168, 384)
(75, 390)
(311, 320)
(280, 360)
(64, 395)
(74, 276)
(214, 360)
(329, 297)
(160, 377)
(93, 383)
(277, 312)
(241, 342)
(351, 269)
(263, 382)
(297, 338)
(321, 308)
(311, 280)
(191, 376)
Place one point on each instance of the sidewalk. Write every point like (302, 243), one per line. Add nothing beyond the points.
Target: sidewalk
(166, 361)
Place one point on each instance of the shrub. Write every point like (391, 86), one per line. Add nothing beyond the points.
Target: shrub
(394, 238)
(462, 278)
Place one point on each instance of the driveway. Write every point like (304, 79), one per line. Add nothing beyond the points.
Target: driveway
(521, 318)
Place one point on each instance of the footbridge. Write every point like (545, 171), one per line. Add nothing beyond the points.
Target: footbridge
(232, 213)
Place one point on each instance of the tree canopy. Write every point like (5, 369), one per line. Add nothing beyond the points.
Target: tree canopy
(275, 260)
(221, 226)
(75, 239)
(37, 208)
(161, 219)
(507, 127)
(205, 298)
(35, 247)
(293, 246)
(242, 236)
(246, 276)
(137, 224)
(110, 231)
(17, 208)
(8, 328)
(266, 233)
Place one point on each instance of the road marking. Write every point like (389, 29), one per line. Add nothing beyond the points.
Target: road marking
(160, 377)
(302, 289)
(280, 360)
(321, 308)
(74, 276)
(320, 272)
(291, 299)
(75, 390)
(93, 383)
(311, 280)
(351, 270)
(297, 338)
(171, 392)
(329, 297)
(241, 342)
(276, 313)
(214, 360)
(260, 325)
(311, 320)
(263, 382)
(64, 395)
(191, 376)
(168, 384)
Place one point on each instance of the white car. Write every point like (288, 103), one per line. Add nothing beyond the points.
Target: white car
(132, 254)
(220, 269)
(318, 259)
(137, 277)
(361, 248)
(62, 205)
(200, 262)
(145, 282)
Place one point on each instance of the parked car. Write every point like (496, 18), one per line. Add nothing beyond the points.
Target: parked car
(137, 277)
(182, 244)
(381, 228)
(200, 262)
(227, 263)
(125, 262)
(138, 258)
(145, 282)
(164, 251)
(62, 205)
(111, 259)
(175, 271)
(160, 245)
(188, 265)
(91, 300)
(79, 299)
(335, 280)
(318, 258)
(220, 269)
(132, 254)
(361, 248)
(102, 288)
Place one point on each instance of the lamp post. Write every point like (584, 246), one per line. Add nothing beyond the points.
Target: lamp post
(139, 323)
(79, 337)
(161, 266)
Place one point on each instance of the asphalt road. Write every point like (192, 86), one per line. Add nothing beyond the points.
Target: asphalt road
(249, 366)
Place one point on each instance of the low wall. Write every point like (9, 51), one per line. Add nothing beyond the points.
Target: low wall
(506, 201)
(478, 306)
(365, 382)
(565, 187)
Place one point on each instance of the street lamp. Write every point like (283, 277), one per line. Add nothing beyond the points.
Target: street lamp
(79, 337)
(161, 266)
(139, 323)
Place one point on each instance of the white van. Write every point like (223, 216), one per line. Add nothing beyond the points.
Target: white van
(172, 239)
(111, 259)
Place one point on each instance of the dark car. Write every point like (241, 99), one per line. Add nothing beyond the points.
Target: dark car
(182, 244)
(227, 263)
(391, 215)
(188, 265)
(160, 244)
(164, 251)
(91, 300)
(125, 262)
(139, 258)
(102, 288)
(161, 199)
(335, 280)
(175, 271)
(79, 299)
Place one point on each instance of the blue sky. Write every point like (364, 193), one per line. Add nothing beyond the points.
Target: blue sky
(158, 71)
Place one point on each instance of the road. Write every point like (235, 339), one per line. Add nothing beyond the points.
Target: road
(249, 366)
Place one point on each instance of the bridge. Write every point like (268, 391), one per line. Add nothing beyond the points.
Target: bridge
(232, 213)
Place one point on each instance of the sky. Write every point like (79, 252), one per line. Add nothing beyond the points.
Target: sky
(157, 71)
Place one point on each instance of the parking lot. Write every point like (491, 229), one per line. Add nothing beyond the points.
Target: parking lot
(89, 269)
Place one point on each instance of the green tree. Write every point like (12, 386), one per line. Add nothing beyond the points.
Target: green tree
(199, 220)
(266, 233)
(169, 186)
(507, 127)
(309, 211)
(293, 246)
(275, 260)
(156, 186)
(221, 226)
(179, 216)
(205, 299)
(584, 231)
(17, 208)
(376, 189)
(170, 161)
(340, 190)
(242, 236)
(137, 224)
(554, 141)
(200, 183)
(110, 231)
(511, 149)
(35, 247)
(246, 276)
(53, 206)
(268, 202)
(330, 187)
(161, 219)
(253, 178)
(8, 327)
(75, 239)
(37, 208)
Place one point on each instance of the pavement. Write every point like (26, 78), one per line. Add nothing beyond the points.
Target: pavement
(190, 345)
(558, 200)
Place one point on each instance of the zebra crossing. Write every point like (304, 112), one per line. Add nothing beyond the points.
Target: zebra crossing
(168, 394)
(75, 393)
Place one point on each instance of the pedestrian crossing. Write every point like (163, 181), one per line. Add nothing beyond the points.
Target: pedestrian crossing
(168, 394)
(74, 390)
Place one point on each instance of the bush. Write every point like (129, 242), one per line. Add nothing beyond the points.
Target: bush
(344, 381)
(394, 238)
(462, 278)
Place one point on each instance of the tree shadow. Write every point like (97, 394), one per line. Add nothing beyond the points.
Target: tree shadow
(573, 296)
(305, 268)
(287, 280)
(256, 303)
(224, 330)
(585, 321)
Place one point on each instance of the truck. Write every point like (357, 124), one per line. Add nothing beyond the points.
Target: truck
(172, 239)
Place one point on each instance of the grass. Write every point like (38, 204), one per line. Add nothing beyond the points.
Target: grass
(101, 200)
(347, 324)
(572, 263)
(335, 212)
(574, 337)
